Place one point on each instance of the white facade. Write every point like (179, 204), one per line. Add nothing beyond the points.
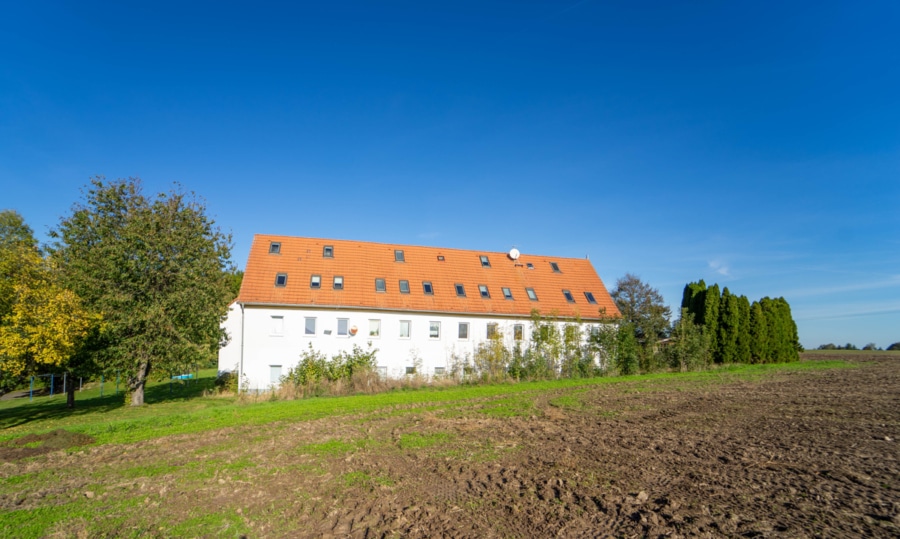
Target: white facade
(266, 341)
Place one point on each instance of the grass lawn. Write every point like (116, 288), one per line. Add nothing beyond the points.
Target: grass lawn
(180, 408)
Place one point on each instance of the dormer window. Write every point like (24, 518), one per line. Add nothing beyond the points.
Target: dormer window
(483, 290)
(460, 290)
(328, 251)
(590, 298)
(427, 289)
(281, 280)
(275, 248)
(315, 282)
(531, 295)
(404, 287)
(568, 296)
(485, 263)
(529, 265)
(380, 286)
(338, 283)
(398, 256)
(555, 267)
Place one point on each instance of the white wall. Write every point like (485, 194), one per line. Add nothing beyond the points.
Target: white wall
(276, 337)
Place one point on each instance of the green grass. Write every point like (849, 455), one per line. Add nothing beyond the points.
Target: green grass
(107, 420)
(416, 440)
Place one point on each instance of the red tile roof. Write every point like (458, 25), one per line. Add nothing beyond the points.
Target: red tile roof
(360, 263)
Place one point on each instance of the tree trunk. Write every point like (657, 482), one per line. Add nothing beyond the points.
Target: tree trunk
(70, 391)
(138, 383)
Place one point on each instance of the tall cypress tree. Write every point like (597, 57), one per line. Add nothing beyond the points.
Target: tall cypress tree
(728, 324)
(759, 334)
(711, 300)
(743, 333)
(692, 300)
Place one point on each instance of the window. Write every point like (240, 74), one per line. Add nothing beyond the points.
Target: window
(274, 248)
(463, 330)
(315, 281)
(309, 326)
(460, 290)
(485, 263)
(440, 258)
(518, 332)
(374, 328)
(410, 370)
(434, 330)
(427, 288)
(274, 374)
(379, 285)
(277, 326)
(404, 286)
(529, 265)
(590, 298)
(531, 295)
(342, 326)
(281, 279)
(507, 293)
(405, 329)
(555, 267)
(569, 297)
(491, 330)
(439, 371)
(338, 282)
(328, 251)
(398, 256)
(482, 289)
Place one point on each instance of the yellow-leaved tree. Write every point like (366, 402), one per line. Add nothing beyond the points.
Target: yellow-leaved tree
(43, 325)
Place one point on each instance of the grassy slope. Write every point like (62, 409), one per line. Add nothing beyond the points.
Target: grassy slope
(182, 409)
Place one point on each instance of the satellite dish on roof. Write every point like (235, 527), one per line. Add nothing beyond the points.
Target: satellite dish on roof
(514, 253)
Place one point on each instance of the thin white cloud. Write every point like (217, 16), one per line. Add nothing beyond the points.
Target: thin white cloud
(893, 281)
(719, 267)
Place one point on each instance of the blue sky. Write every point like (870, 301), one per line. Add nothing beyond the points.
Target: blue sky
(752, 144)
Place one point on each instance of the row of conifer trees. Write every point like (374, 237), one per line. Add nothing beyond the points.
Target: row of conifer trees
(739, 331)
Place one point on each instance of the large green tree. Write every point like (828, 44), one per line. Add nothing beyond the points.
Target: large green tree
(156, 268)
(643, 306)
(743, 336)
(759, 334)
(728, 327)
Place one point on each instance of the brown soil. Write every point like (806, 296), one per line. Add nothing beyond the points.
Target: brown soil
(796, 454)
(32, 445)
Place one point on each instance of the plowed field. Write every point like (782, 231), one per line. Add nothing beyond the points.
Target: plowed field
(793, 453)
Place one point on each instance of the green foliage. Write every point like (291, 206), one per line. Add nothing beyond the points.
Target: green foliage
(728, 327)
(492, 358)
(643, 307)
(234, 277)
(759, 334)
(315, 368)
(626, 360)
(894, 346)
(711, 300)
(688, 348)
(156, 270)
(743, 339)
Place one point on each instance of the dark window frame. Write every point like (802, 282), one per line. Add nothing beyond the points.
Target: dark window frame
(312, 284)
(281, 280)
(328, 251)
(275, 248)
(532, 295)
(460, 290)
(589, 296)
(529, 265)
(427, 288)
(568, 295)
(383, 284)
(402, 283)
(334, 282)
(507, 293)
(555, 267)
(485, 261)
(399, 255)
(484, 292)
